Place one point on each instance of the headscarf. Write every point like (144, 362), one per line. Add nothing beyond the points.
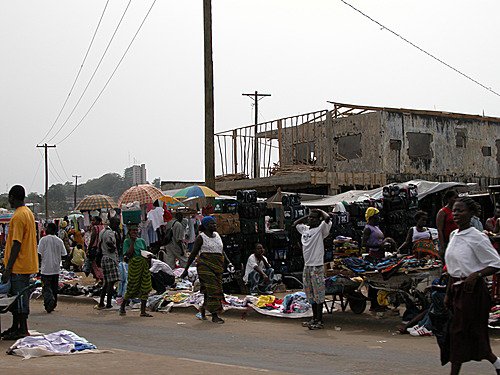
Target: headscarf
(371, 211)
(206, 220)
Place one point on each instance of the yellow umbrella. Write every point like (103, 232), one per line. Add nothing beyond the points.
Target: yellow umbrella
(171, 201)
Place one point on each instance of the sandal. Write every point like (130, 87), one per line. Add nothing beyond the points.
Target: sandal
(200, 316)
(146, 315)
(98, 307)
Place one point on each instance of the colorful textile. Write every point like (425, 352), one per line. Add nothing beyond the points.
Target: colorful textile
(314, 283)
(139, 279)
(425, 247)
(210, 268)
(264, 300)
(110, 270)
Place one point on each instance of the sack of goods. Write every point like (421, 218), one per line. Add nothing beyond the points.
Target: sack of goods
(227, 223)
(291, 200)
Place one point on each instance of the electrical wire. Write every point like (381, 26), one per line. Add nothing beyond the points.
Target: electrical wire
(78, 74)
(55, 170)
(37, 170)
(62, 165)
(93, 74)
(422, 50)
(112, 74)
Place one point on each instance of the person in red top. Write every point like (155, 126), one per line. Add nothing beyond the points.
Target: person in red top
(444, 221)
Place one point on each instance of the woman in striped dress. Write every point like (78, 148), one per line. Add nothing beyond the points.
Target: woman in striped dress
(139, 276)
(210, 266)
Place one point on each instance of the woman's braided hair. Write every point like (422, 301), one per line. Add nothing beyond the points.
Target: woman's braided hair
(471, 204)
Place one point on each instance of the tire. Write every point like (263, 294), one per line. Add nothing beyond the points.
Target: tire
(357, 303)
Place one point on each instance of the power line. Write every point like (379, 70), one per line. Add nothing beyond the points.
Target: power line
(37, 170)
(112, 74)
(62, 165)
(93, 74)
(78, 74)
(422, 50)
(55, 170)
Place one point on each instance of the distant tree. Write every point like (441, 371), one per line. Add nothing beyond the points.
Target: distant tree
(4, 200)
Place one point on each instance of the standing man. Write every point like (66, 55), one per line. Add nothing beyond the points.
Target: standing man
(64, 236)
(21, 260)
(313, 249)
(156, 217)
(444, 221)
(175, 249)
(51, 249)
(109, 243)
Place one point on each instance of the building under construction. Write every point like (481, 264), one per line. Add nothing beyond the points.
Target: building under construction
(358, 147)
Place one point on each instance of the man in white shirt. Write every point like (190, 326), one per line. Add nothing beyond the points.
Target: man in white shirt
(156, 217)
(162, 276)
(313, 250)
(258, 272)
(51, 248)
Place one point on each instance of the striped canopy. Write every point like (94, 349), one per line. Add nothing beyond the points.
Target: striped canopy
(96, 202)
(195, 191)
(141, 193)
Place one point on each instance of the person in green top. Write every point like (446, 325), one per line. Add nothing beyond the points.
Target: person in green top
(139, 276)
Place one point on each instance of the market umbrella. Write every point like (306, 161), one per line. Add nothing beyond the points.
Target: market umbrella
(196, 191)
(96, 202)
(141, 193)
(171, 201)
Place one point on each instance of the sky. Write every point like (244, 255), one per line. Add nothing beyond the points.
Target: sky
(303, 53)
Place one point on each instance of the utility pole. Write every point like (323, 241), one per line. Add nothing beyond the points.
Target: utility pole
(209, 96)
(256, 163)
(46, 147)
(76, 187)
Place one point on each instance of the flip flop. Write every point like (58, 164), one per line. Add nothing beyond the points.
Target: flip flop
(200, 317)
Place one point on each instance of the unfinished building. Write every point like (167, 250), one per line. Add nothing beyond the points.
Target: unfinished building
(358, 147)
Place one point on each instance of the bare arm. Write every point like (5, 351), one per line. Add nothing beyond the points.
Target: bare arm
(440, 227)
(194, 253)
(366, 236)
(325, 216)
(408, 240)
(302, 220)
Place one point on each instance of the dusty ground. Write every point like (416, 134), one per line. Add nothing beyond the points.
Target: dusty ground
(177, 342)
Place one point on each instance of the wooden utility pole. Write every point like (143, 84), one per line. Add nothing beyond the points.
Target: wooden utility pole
(76, 187)
(46, 147)
(209, 96)
(256, 162)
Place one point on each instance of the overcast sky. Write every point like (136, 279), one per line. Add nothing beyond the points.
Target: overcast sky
(304, 53)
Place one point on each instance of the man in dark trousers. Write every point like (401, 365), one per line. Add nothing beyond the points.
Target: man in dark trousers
(52, 250)
(21, 260)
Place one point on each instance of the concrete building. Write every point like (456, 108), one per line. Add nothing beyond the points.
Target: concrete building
(136, 174)
(359, 147)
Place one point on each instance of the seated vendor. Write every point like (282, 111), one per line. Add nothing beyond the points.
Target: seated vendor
(258, 272)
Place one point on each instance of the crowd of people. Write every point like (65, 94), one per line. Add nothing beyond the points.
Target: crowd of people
(467, 248)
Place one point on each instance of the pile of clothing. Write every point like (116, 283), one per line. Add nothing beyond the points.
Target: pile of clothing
(57, 343)
(494, 318)
(67, 276)
(295, 303)
(339, 284)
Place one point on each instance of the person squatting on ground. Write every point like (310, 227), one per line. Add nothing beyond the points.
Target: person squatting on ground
(139, 276)
(210, 265)
(258, 272)
(313, 234)
(109, 244)
(52, 250)
(469, 258)
(20, 260)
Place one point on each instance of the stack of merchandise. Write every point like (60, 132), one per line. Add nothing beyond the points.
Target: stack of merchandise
(494, 318)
